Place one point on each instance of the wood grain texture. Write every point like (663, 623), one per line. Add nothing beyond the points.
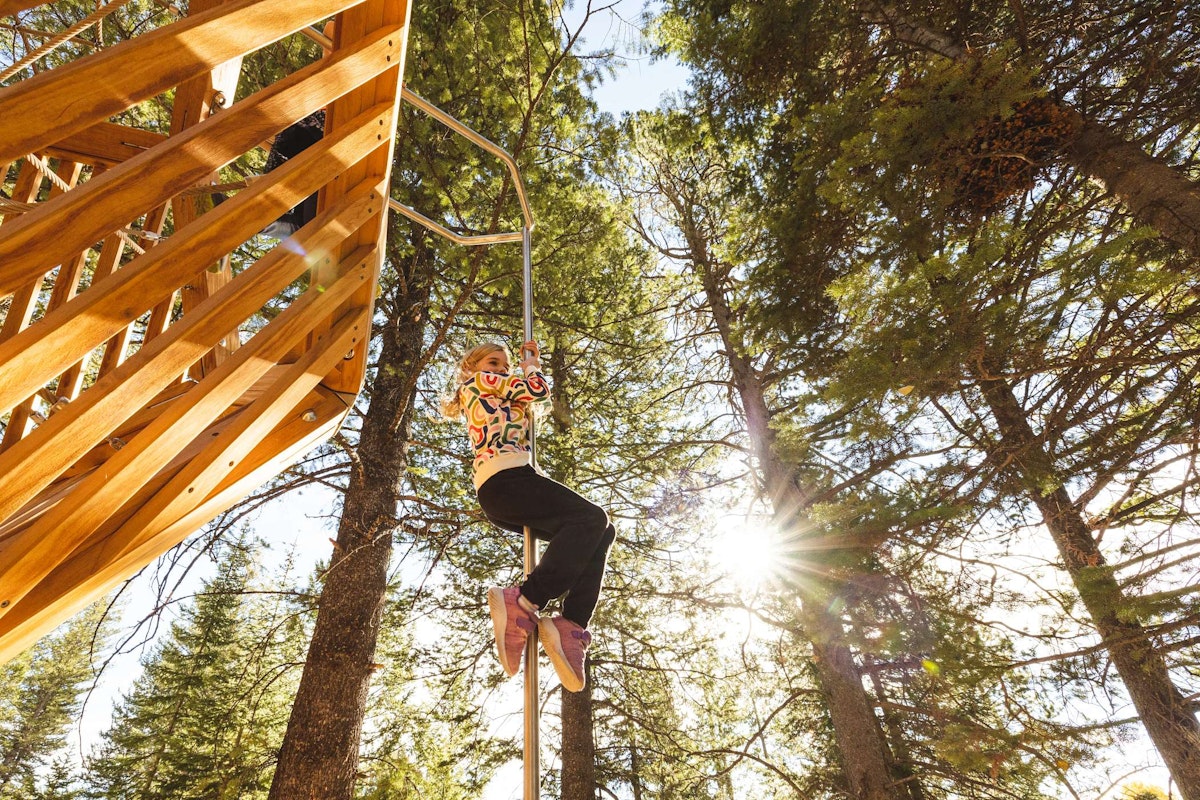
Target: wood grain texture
(78, 514)
(85, 577)
(36, 241)
(27, 557)
(355, 24)
(105, 144)
(35, 463)
(57, 103)
(33, 357)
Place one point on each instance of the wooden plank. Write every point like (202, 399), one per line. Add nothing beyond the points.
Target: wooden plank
(27, 185)
(203, 474)
(18, 423)
(152, 485)
(194, 103)
(25, 300)
(160, 317)
(115, 348)
(63, 488)
(44, 501)
(85, 577)
(8, 7)
(32, 554)
(34, 240)
(20, 311)
(66, 334)
(102, 451)
(195, 98)
(353, 25)
(105, 144)
(100, 454)
(66, 282)
(55, 104)
(35, 463)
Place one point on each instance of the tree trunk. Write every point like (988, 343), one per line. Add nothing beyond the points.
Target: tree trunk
(866, 760)
(1166, 714)
(1155, 193)
(578, 734)
(578, 747)
(319, 757)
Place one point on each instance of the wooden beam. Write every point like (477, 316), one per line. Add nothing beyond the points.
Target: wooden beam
(114, 348)
(32, 554)
(105, 144)
(57, 103)
(196, 99)
(47, 453)
(353, 25)
(204, 473)
(85, 577)
(10, 7)
(28, 360)
(20, 310)
(31, 244)
(153, 484)
(116, 438)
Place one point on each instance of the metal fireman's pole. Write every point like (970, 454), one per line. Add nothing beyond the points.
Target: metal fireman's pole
(532, 744)
(524, 236)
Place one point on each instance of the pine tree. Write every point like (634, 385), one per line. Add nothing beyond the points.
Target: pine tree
(41, 695)
(988, 305)
(1036, 102)
(205, 716)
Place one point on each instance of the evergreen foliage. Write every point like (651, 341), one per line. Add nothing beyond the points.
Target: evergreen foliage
(207, 713)
(41, 694)
(863, 258)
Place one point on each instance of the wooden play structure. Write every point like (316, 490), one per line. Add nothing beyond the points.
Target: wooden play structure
(144, 386)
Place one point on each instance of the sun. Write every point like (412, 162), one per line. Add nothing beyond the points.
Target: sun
(746, 548)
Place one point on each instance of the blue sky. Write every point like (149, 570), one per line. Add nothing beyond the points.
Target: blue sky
(617, 26)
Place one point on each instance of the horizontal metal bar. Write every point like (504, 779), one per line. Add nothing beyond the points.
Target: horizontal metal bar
(410, 97)
(442, 230)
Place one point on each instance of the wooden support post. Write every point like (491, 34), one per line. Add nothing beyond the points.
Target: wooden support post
(24, 301)
(196, 100)
(114, 349)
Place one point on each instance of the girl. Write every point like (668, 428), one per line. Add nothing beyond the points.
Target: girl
(513, 494)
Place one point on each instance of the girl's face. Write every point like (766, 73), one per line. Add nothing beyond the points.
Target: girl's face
(494, 362)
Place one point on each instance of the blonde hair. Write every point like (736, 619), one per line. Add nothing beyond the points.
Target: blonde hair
(452, 407)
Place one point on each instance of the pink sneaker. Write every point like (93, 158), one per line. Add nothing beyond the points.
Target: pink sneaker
(566, 644)
(513, 618)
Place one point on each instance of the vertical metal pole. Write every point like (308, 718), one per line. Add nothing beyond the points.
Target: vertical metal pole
(532, 771)
(532, 768)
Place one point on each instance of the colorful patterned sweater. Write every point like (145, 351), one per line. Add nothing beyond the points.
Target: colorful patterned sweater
(498, 413)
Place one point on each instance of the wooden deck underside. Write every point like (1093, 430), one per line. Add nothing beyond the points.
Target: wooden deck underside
(145, 392)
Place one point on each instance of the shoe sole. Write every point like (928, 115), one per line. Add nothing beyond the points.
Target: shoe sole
(499, 612)
(552, 643)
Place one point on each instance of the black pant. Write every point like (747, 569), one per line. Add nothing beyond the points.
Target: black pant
(578, 532)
